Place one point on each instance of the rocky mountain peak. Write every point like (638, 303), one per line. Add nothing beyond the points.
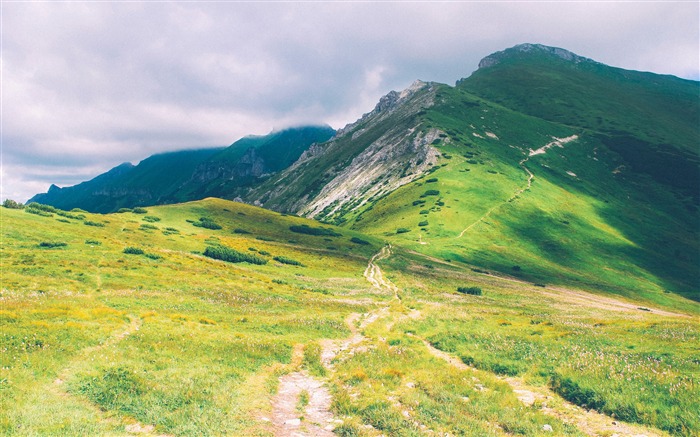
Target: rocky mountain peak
(527, 48)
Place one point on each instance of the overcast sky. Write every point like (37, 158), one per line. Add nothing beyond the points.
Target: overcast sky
(89, 85)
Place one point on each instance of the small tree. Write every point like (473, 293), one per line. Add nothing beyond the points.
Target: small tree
(11, 204)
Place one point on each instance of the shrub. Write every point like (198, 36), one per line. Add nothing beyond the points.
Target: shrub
(38, 212)
(41, 207)
(207, 223)
(152, 256)
(424, 212)
(290, 261)
(96, 224)
(147, 227)
(51, 244)
(93, 242)
(69, 215)
(123, 210)
(423, 223)
(517, 268)
(170, 231)
(151, 219)
(359, 241)
(263, 252)
(418, 202)
(11, 204)
(139, 210)
(308, 230)
(133, 251)
(402, 230)
(431, 180)
(233, 256)
(430, 193)
(240, 231)
(474, 291)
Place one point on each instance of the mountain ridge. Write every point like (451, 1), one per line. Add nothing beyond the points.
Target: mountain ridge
(448, 171)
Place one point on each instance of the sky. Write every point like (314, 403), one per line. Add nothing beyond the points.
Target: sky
(86, 86)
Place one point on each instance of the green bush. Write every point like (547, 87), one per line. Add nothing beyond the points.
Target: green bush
(123, 210)
(285, 260)
(41, 207)
(51, 244)
(430, 193)
(207, 223)
(93, 242)
(148, 227)
(139, 210)
(133, 251)
(240, 231)
(233, 256)
(95, 224)
(423, 223)
(402, 230)
(359, 241)
(11, 204)
(474, 291)
(151, 219)
(38, 212)
(308, 230)
(418, 202)
(431, 180)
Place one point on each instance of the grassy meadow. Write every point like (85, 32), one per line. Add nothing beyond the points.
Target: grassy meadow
(119, 324)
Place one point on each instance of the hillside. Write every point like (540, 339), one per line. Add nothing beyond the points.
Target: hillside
(130, 323)
(189, 175)
(518, 170)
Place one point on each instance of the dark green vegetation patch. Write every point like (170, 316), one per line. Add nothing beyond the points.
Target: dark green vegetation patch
(232, 255)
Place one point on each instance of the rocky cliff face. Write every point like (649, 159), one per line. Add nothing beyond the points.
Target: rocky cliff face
(385, 149)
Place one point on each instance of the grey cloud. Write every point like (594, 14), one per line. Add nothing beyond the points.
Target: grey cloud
(95, 84)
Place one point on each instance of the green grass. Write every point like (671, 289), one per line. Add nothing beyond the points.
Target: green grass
(95, 339)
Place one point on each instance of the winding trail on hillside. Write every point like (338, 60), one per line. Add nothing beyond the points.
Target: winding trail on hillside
(558, 142)
(293, 417)
(69, 370)
(302, 404)
(589, 422)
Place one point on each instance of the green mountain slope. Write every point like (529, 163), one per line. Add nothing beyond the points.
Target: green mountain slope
(124, 323)
(652, 121)
(189, 175)
(469, 184)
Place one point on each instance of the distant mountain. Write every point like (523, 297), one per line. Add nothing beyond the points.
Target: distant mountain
(543, 164)
(189, 175)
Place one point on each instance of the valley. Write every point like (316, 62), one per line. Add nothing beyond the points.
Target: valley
(479, 259)
(170, 342)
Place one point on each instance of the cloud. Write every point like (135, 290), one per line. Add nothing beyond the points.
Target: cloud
(89, 85)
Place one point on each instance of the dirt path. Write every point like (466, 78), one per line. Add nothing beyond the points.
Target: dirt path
(374, 274)
(302, 407)
(589, 422)
(559, 142)
(302, 404)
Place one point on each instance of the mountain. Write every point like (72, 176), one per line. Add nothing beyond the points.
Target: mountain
(543, 164)
(190, 174)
